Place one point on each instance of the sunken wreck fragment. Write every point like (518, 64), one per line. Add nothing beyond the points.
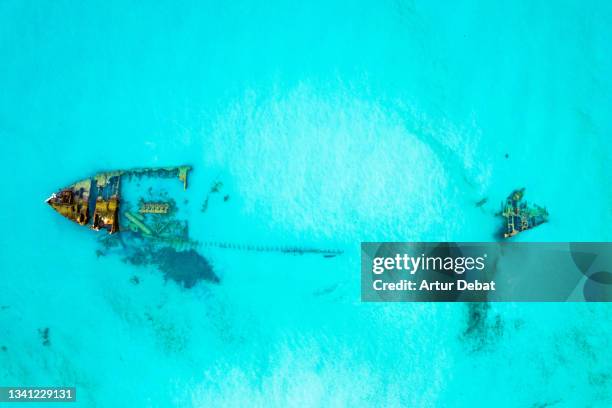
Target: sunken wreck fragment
(97, 199)
(73, 201)
(147, 232)
(519, 216)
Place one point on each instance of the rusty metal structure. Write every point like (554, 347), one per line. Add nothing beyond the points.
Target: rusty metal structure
(73, 201)
(519, 216)
(97, 201)
(154, 208)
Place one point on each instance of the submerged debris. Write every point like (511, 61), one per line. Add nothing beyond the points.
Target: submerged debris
(204, 205)
(482, 202)
(214, 188)
(44, 335)
(154, 208)
(185, 267)
(294, 250)
(483, 328)
(519, 215)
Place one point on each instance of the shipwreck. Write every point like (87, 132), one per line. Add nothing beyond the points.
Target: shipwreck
(519, 216)
(96, 201)
(149, 226)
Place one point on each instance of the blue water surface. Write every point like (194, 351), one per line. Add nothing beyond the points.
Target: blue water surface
(329, 123)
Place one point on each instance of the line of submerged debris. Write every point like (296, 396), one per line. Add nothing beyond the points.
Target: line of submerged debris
(328, 253)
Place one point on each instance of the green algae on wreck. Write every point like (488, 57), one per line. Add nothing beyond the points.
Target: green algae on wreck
(519, 216)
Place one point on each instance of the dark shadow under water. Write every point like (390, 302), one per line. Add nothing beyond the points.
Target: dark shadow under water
(185, 267)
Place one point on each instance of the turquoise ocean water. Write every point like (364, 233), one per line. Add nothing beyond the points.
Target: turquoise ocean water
(329, 123)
